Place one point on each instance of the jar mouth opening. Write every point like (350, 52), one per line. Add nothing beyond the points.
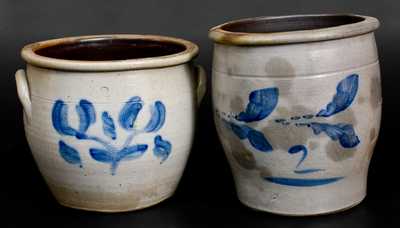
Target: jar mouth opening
(105, 49)
(292, 29)
(288, 24)
(114, 52)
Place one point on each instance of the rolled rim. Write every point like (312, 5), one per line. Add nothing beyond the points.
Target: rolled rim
(231, 33)
(29, 54)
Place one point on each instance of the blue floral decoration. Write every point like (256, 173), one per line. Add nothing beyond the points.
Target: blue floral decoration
(109, 153)
(261, 104)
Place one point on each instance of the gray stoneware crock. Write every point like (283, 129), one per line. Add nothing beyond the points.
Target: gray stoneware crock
(297, 105)
(110, 118)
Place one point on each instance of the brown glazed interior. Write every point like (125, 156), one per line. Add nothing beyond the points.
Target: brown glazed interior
(287, 24)
(105, 49)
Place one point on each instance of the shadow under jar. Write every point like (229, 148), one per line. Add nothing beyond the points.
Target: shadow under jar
(110, 118)
(297, 106)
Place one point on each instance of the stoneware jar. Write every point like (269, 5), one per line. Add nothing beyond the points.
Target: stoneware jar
(297, 102)
(110, 118)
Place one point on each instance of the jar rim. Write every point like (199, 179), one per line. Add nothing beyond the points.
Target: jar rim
(278, 30)
(188, 52)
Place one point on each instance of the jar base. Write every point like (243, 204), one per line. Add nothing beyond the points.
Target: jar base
(328, 212)
(126, 209)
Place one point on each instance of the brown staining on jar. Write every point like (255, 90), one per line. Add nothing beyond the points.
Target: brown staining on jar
(337, 153)
(375, 92)
(313, 145)
(277, 66)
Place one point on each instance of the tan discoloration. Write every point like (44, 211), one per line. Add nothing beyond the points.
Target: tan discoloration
(243, 156)
(279, 66)
(292, 134)
(235, 147)
(372, 135)
(313, 145)
(333, 148)
(375, 93)
(361, 100)
(346, 117)
(133, 199)
(283, 111)
(284, 137)
(264, 171)
(337, 153)
(237, 104)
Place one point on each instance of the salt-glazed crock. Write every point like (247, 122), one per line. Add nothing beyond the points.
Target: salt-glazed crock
(297, 102)
(110, 118)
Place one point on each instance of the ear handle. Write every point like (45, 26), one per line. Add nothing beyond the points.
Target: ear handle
(201, 83)
(23, 93)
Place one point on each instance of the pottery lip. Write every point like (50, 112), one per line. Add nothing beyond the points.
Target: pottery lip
(190, 51)
(366, 24)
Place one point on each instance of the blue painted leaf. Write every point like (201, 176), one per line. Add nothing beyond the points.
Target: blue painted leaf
(157, 117)
(86, 113)
(346, 91)
(258, 141)
(132, 152)
(59, 118)
(129, 112)
(261, 104)
(101, 155)
(108, 126)
(343, 132)
(162, 148)
(296, 149)
(256, 138)
(69, 154)
(240, 131)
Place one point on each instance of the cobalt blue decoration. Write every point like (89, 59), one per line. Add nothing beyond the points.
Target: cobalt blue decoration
(157, 117)
(162, 148)
(87, 115)
(261, 103)
(110, 154)
(346, 91)
(256, 138)
(129, 112)
(101, 155)
(60, 119)
(128, 153)
(132, 152)
(241, 131)
(258, 141)
(302, 182)
(108, 126)
(69, 154)
(296, 149)
(343, 132)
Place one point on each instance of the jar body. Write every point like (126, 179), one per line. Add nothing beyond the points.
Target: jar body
(299, 122)
(111, 141)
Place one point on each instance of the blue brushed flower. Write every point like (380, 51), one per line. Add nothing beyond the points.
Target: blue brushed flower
(157, 117)
(108, 126)
(69, 154)
(86, 113)
(162, 148)
(59, 118)
(129, 112)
